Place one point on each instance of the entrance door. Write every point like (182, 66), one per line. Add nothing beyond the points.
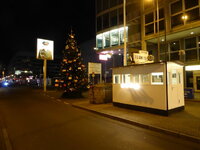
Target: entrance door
(198, 82)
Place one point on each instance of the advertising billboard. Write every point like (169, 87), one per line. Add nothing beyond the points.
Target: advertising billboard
(45, 49)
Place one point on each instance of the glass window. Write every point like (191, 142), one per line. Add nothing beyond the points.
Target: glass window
(149, 29)
(193, 15)
(149, 18)
(100, 41)
(114, 37)
(116, 79)
(189, 79)
(174, 77)
(164, 57)
(199, 41)
(157, 78)
(105, 4)
(163, 47)
(121, 16)
(191, 3)
(113, 18)
(99, 5)
(190, 43)
(145, 78)
(136, 78)
(99, 23)
(176, 20)
(176, 7)
(175, 46)
(191, 55)
(113, 3)
(174, 56)
(105, 21)
(161, 25)
(161, 13)
(179, 78)
(106, 39)
(121, 32)
(120, 1)
(126, 78)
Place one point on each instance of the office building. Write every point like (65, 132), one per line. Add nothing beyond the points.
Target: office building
(168, 29)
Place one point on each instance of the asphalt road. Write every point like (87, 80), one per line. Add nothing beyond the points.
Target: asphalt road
(36, 122)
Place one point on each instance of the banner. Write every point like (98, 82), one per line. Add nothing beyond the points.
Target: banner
(45, 49)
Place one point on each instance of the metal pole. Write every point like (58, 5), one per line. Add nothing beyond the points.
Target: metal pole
(45, 75)
(125, 59)
(158, 30)
(101, 75)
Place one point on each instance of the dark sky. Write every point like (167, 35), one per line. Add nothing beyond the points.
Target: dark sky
(22, 22)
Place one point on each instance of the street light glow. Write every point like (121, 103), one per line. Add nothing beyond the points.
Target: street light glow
(184, 17)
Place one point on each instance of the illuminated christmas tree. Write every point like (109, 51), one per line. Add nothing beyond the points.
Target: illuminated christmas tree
(73, 76)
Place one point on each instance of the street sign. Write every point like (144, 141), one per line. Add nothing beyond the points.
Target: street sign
(94, 68)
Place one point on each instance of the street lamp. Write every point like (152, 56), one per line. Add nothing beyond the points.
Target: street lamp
(125, 47)
(184, 18)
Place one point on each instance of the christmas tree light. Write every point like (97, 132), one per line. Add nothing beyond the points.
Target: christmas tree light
(72, 70)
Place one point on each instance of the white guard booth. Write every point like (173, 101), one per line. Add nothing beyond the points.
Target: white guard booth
(156, 87)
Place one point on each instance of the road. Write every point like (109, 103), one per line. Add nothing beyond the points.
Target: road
(34, 121)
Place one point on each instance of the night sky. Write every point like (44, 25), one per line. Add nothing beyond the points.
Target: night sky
(22, 22)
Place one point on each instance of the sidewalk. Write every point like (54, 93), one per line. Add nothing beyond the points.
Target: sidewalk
(185, 124)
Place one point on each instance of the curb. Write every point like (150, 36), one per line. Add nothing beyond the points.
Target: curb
(145, 126)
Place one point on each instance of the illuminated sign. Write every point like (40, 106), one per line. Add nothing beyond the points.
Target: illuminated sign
(103, 57)
(142, 57)
(45, 49)
(192, 68)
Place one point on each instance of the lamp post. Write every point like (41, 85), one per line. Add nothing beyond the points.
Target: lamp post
(156, 3)
(158, 29)
(125, 47)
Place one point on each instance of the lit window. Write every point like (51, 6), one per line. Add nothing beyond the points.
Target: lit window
(144, 78)
(126, 78)
(106, 39)
(157, 78)
(114, 37)
(136, 78)
(121, 32)
(116, 79)
(100, 41)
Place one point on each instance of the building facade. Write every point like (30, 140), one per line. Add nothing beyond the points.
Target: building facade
(168, 29)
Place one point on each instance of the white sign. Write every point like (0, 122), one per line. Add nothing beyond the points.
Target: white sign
(141, 57)
(94, 68)
(103, 57)
(45, 49)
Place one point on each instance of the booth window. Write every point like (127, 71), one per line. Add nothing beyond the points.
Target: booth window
(126, 78)
(179, 77)
(145, 78)
(174, 77)
(136, 78)
(157, 78)
(116, 79)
